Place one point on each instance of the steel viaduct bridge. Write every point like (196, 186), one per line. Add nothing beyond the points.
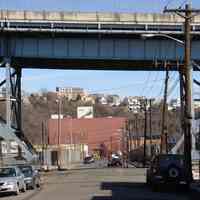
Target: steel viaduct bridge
(94, 41)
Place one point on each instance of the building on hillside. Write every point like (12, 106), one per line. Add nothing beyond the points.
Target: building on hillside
(103, 100)
(71, 93)
(113, 100)
(134, 103)
(158, 101)
(175, 103)
(196, 103)
(103, 135)
(88, 98)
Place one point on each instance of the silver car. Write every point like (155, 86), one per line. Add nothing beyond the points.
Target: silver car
(11, 180)
(31, 176)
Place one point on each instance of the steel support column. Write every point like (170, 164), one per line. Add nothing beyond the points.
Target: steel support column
(12, 83)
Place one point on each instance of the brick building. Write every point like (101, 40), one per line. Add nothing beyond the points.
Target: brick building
(97, 133)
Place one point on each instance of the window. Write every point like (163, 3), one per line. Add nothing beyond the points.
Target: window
(7, 172)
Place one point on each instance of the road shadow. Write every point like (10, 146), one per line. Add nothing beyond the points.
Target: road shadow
(141, 191)
(4, 195)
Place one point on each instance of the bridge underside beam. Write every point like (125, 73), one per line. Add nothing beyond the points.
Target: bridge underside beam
(94, 64)
(93, 52)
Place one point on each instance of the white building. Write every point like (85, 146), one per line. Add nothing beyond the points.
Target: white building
(103, 100)
(72, 93)
(175, 103)
(114, 100)
(134, 103)
(196, 103)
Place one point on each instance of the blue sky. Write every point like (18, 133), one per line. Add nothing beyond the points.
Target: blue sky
(93, 5)
(123, 83)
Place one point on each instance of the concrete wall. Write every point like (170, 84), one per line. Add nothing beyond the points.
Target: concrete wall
(92, 16)
(68, 156)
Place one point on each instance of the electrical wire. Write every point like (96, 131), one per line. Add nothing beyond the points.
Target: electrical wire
(153, 85)
(146, 83)
(161, 90)
(173, 87)
(122, 87)
(183, 3)
(168, 3)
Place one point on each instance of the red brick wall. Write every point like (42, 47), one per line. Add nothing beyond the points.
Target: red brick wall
(93, 132)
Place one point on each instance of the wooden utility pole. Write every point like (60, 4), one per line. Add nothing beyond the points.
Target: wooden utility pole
(187, 13)
(111, 144)
(130, 134)
(137, 131)
(43, 142)
(164, 134)
(150, 126)
(145, 130)
(127, 138)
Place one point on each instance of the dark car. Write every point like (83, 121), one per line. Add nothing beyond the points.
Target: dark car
(88, 160)
(31, 176)
(166, 169)
(115, 161)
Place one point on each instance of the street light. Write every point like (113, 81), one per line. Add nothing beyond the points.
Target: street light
(188, 113)
(151, 35)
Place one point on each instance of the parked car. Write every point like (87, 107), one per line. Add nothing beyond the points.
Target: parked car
(115, 161)
(11, 180)
(88, 160)
(31, 176)
(166, 169)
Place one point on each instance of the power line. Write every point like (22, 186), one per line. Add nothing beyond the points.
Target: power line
(122, 87)
(155, 80)
(145, 83)
(183, 3)
(173, 87)
(168, 3)
(161, 89)
(172, 76)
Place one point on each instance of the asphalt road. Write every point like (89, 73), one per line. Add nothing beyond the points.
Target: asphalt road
(99, 184)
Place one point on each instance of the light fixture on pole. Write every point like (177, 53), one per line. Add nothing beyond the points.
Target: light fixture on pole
(151, 35)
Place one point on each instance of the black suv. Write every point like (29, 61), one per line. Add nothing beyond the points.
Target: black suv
(166, 169)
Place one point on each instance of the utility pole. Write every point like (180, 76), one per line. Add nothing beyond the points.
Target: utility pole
(111, 145)
(188, 14)
(145, 131)
(137, 131)
(130, 132)
(127, 137)
(164, 134)
(43, 142)
(150, 125)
